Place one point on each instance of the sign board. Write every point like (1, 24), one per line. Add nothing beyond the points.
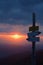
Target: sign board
(33, 39)
(31, 34)
(34, 28)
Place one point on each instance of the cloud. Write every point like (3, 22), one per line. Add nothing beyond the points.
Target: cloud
(7, 28)
(20, 11)
(11, 29)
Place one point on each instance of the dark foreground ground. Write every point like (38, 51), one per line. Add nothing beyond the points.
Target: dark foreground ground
(22, 59)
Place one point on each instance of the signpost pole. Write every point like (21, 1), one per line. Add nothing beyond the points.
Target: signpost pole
(33, 43)
(33, 53)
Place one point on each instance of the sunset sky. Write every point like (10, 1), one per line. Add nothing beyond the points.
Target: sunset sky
(15, 19)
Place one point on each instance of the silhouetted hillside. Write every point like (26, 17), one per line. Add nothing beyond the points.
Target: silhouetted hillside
(22, 59)
(39, 57)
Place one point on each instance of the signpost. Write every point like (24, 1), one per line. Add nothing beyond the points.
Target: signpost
(35, 28)
(33, 32)
(33, 39)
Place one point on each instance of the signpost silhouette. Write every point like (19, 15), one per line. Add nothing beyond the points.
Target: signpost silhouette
(33, 32)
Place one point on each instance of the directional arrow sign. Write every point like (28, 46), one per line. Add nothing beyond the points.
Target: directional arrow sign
(34, 28)
(31, 34)
(33, 39)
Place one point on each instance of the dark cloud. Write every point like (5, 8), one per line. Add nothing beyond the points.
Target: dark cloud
(20, 11)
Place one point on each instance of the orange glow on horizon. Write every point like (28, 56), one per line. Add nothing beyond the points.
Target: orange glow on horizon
(14, 39)
(13, 36)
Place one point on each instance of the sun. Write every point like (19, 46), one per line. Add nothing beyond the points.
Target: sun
(16, 36)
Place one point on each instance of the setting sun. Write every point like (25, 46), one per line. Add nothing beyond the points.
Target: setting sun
(16, 36)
